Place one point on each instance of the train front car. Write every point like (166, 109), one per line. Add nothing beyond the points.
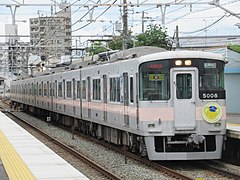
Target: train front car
(182, 105)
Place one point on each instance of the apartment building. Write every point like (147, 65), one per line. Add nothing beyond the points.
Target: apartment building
(51, 36)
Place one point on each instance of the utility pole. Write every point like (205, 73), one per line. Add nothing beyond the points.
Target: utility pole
(163, 13)
(13, 13)
(13, 41)
(177, 38)
(143, 21)
(125, 25)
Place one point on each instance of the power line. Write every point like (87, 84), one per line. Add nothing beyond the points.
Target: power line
(204, 27)
(94, 19)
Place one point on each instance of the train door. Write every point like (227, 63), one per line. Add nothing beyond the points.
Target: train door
(89, 96)
(184, 96)
(125, 99)
(105, 97)
(74, 96)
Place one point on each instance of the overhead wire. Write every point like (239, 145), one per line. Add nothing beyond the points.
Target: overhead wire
(202, 29)
(85, 13)
(95, 18)
(200, 10)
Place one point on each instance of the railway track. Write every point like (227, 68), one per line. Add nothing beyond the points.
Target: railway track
(107, 174)
(215, 166)
(160, 167)
(169, 172)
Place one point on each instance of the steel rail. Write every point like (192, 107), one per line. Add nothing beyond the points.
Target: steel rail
(83, 158)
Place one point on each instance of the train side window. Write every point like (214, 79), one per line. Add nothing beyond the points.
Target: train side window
(131, 90)
(69, 89)
(40, 89)
(33, 92)
(115, 89)
(96, 89)
(55, 89)
(23, 90)
(74, 88)
(84, 89)
(64, 89)
(45, 89)
(29, 89)
(50, 89)
(59, 89)
(36, 89)
(78, 89)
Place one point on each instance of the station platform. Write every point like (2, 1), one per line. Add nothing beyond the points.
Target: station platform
(233, 126)
(22, 156)
(231, 151)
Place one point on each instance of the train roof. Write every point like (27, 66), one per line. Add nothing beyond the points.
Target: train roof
(135, 52)
(143, 53)
(182, 54)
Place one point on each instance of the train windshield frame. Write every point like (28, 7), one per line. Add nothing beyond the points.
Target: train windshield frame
(154, 78)
(211, 79)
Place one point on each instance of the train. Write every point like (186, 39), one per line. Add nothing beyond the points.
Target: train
(163, 105)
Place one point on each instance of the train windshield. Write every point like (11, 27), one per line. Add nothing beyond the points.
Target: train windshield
(211, 79)
(211, 74)
(154, 80)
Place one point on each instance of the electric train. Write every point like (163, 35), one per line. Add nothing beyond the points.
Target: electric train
(166, 105)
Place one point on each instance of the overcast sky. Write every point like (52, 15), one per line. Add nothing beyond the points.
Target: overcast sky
(191, 18)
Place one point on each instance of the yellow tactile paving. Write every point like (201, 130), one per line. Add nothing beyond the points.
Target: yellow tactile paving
(232, 124)
(15, 167)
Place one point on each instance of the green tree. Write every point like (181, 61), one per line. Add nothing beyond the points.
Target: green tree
(116, 43)
(154, 36)
(235, 48)
(97, 47)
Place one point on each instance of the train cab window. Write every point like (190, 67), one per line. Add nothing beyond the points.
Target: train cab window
(211, 79)
(69, 89)
(211, 75)
(154, 80)
(60, 89)
(96, 89)
(184, 86)
(84, 89)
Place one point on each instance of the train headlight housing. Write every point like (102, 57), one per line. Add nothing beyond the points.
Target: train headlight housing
(188, 62)
(178, 62)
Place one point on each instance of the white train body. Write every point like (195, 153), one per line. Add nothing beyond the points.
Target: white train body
(156, 104)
